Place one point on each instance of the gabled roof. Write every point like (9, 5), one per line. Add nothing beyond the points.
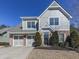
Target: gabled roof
(54, 5)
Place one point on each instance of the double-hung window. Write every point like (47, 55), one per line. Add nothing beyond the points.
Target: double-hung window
(54, 21)
(31, 24)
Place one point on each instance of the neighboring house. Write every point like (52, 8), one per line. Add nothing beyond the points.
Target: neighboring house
(54, 18)
(4, 35)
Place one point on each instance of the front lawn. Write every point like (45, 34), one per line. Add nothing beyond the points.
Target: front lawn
(49, 53)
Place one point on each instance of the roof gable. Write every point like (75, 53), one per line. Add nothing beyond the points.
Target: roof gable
(54, 5)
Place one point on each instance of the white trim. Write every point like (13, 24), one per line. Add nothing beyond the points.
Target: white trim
(13, 41)
(25, 17)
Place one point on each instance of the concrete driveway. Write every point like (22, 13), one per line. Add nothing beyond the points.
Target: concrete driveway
(15, 52)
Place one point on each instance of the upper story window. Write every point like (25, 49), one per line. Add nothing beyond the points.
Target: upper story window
(54, 21)
(31, 25)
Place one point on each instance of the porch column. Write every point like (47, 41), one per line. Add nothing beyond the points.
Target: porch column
(10, 39)
(25, 40)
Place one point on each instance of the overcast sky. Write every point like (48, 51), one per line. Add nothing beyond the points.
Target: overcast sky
(11, 10)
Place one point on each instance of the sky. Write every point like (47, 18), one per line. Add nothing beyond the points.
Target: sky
(12, 10)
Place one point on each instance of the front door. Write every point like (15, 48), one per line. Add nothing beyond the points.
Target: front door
(46, 37)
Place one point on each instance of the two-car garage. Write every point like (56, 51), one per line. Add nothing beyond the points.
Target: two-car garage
(18, 40)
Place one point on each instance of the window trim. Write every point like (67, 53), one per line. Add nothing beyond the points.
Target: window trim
(53, 20)
(32, 25)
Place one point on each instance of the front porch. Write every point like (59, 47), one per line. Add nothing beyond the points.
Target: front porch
(62, 35)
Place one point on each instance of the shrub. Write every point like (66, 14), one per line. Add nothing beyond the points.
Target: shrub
(61, 44)
(54, 39)
(38, 39)
(4, 44)
(68, 42)
(75, 38)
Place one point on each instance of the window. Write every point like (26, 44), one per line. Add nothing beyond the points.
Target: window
(16, 37)
(31, 24)
(30, 37)
(54, 21)
(61, 37)
(21, 37)
(46, 37)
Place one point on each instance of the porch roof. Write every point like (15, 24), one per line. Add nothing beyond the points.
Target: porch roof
(22, 32)
(29, 18)
(18, 30)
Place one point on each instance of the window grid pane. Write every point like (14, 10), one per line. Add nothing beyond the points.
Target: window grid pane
(16, 37)
(31, 24)
(21, 37)
(51, 21)
(30, 37)
(54, 21)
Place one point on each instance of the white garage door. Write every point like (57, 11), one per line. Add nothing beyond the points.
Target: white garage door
(30, 40)
(18, 41)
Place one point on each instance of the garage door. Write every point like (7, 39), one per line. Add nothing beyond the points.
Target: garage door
(30, 40)
(18, 41)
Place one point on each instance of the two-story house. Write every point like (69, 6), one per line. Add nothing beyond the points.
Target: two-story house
(54, 18)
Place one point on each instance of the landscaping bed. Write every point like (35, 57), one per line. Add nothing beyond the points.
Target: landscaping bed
(4, 44)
